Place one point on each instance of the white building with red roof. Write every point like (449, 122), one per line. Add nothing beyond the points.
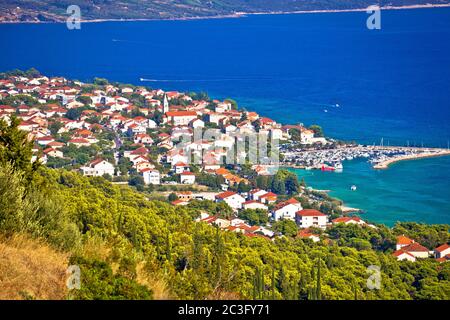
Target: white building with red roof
(43, 141)
(98, 167)
(268, 198)
(308, 234)
(151, 176)
(233, 199)
(51, 152)
(404, 255)
(181, 167)
(79, 142)
(253, 204)
(349, 220)
(306, 136)
(403, 241)
(176, 155)
(286, 209)
(187, 177)
(311, 218)
(142, 138)
(179, 118)
(417, 250)
(442, 251)
(254, 194)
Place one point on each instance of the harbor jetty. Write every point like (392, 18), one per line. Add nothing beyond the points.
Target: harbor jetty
(428, 153)
(331, 159)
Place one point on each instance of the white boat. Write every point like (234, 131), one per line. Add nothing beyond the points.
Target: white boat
(353, 188)
(339, 166)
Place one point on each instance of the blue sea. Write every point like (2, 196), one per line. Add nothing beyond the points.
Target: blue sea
(392, 83)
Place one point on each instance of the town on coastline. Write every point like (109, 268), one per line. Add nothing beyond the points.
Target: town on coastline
(147, 137)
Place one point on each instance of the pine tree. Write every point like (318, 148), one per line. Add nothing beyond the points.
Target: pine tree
(16, 149)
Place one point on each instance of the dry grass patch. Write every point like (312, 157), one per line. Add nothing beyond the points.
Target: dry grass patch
(30, 269)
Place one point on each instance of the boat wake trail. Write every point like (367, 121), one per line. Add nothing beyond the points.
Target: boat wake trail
(191, 80)
(218, 79)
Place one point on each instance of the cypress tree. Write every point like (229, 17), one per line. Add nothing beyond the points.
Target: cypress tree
(197, 251)
(300, 287)
(318, 287)
(273, 283)
(168, 248)
(256, 284)
(261, 284)
(119, 222)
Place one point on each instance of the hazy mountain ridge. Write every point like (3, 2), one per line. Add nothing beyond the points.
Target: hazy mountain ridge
(51, 10)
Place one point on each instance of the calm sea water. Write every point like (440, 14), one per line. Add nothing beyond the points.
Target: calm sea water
(392, 83)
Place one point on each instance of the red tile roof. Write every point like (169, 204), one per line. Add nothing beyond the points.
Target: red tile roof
(225, 194)
(268, 195)
(415, 247)
(310, 213)
(181, 113)
(346, 219)
(95, 161)
(442, 248)
(78, 140)
(404, 240)
(400, 252)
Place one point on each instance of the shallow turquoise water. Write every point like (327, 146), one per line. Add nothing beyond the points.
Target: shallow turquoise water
(407, 191)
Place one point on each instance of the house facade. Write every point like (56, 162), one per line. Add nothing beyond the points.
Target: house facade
(151, 176)
(98, 168)
(311, 218)
(233, 199)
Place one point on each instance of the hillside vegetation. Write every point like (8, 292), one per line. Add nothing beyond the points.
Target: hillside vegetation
(51, 10)
(130, 248)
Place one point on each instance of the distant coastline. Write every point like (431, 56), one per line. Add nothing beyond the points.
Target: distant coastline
(241, 14)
